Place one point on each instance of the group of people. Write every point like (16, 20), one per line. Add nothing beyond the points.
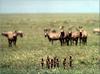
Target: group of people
(55, 62)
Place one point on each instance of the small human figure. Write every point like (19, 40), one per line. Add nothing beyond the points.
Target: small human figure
(57, 62)
(64, 63)
(48, 62)
(42, 63)
(70, 61)
(52, 63)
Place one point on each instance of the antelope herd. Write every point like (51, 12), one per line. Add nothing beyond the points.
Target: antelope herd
(69, 37)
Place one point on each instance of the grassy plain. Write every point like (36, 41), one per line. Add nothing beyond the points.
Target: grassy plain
(25, 58)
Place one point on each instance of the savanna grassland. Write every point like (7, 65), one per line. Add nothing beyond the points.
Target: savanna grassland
(25, 57)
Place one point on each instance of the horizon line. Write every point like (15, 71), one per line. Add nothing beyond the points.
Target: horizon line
(55, 12)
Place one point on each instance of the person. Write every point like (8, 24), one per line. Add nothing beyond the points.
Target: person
(52, 63)
(57, 62)
(70, 61)
(48, 62)
(42, 63)
(64, 63)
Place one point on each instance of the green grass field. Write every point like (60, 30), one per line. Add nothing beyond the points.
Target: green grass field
(25, 58)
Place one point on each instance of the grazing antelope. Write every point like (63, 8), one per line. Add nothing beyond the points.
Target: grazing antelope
(12, 36)
(96, 30)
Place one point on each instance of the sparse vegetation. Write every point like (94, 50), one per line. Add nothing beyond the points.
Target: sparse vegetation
(26, 57)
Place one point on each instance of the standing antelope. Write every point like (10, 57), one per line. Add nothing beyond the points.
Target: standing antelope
(12, 36)
(52, 35)
(83, 36)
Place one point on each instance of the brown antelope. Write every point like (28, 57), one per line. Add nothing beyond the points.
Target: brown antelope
(12, 36)
(71, 36)
(64, 36)
(96, 30)
(52, 35)
(83, 36)
(74, 37)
